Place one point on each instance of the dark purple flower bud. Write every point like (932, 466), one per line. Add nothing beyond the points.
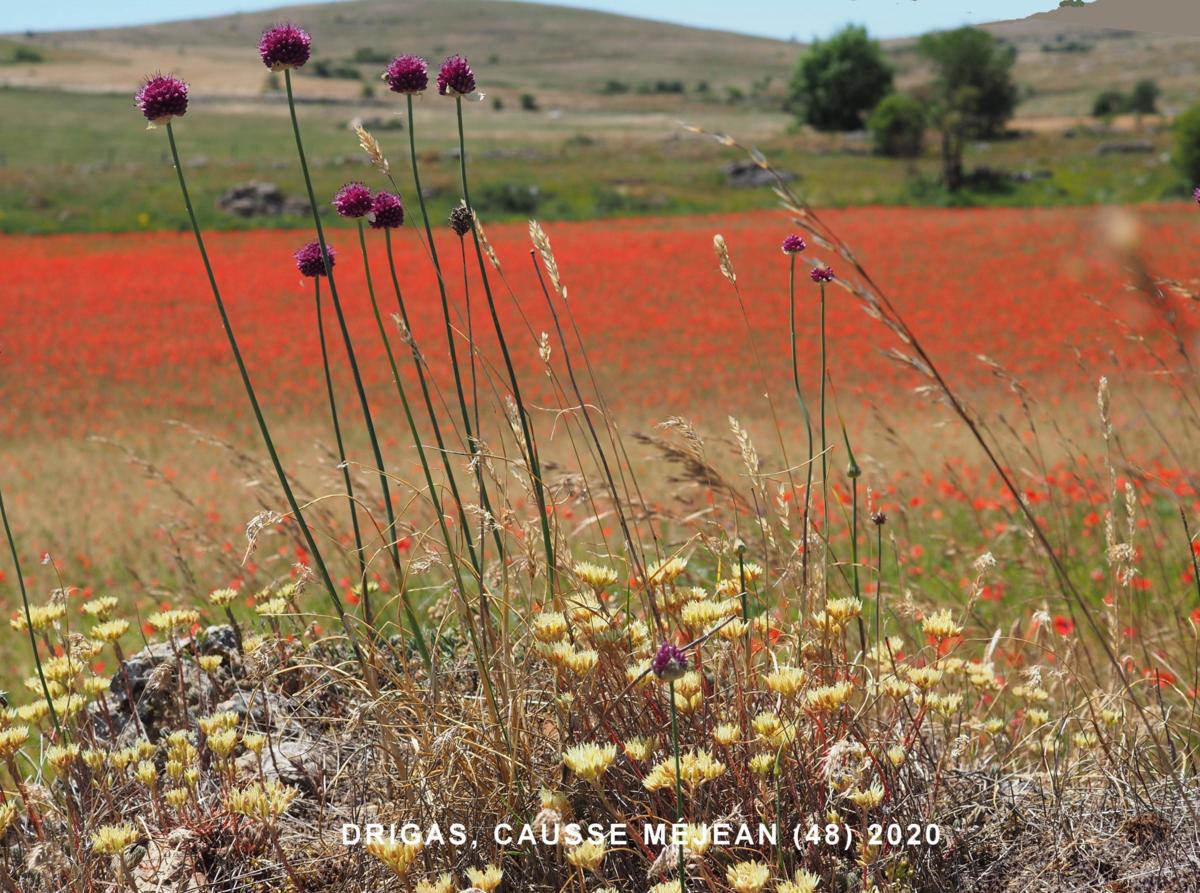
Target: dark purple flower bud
(408, 75)
(162, 98)
(793, 244)
(309, 261)
(456, 77)
(284, 46)
(353, 200)
(878, 518)
(461, 220)
(669, 663)
(387, 211)
(821, 274)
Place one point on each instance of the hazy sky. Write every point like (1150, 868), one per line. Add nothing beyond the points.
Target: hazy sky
(773, 18)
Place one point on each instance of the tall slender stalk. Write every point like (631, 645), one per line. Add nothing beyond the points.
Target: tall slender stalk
(678, 786)
(583, 409)
(531, 455)
(347, 480)
(824, 450)
(368, 420)
(807, 424)
(470, 432)
(305, 530)
(37, 658)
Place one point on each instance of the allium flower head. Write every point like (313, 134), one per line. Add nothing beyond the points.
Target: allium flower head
(793, 244)
(353, 200)
(1196, 194)
(462, 219)
(162, 98)
(309, 261)
(456, 77)
(284, 46)
(407, 75)
(821, 274)
(669, 663)
(387, 211)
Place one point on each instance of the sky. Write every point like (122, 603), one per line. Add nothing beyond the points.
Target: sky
(802, 19)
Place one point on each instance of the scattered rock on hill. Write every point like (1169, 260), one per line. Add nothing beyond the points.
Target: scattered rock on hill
(259, 198)
(744, 174)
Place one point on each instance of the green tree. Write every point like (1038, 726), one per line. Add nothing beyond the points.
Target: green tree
(974, 94)
(837, 81)
(1187, 144)
(1109, 103)
(1144, 98)
(898, 126)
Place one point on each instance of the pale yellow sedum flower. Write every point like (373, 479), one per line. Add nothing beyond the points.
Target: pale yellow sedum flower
(594, 575)
(867, 798)
(588, 856)
(803, 882)
(590, 761)
(100, 608)
(727, 733)
(638, 749)
(747, 877)
(787, 681)
(222, 598)
(828, 698)
(486, 879)
(940, 625)
(111, 840)
(262, 801)
(550, 627)
(109, 631)
(442, 884)
(397, 856)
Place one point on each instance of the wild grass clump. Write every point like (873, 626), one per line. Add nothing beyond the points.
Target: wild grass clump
(773, 662)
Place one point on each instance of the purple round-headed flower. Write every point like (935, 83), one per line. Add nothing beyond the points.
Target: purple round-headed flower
(1196, 194)
(461, 220)
(284, 46)
(309, 261)
(669, 663)
(353, 200)
(162, 98)
(455, 78)
(408, 75)
(793, 244)
(387, 211)
(821, 274)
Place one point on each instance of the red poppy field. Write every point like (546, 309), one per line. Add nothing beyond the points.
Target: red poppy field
(102, 330)
(113, 337)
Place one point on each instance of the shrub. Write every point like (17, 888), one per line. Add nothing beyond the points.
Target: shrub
(529, 102)
(898, 126)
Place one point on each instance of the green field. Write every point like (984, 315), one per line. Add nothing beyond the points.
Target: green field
(77, 163)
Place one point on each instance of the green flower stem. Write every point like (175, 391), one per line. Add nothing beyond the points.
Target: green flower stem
(531, 455)
(341, 448)
(451, 555)
(824, 450)
(412, 424)
(471, 434)
(678, 785)
(807, 425)
(419, 366)
(37, 658)
(305, 530)
(358, 382)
